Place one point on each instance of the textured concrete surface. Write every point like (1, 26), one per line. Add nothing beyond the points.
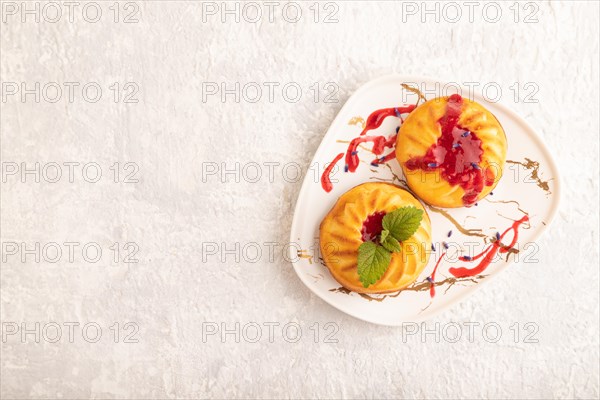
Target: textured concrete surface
(175, 217)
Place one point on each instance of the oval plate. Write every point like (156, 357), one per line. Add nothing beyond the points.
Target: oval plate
(530, 185)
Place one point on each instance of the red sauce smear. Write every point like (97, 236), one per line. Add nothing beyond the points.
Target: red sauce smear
(380, 143)
(457, 153)
(326, 177)
(376, 118)
(372, 226)
(432, 277)
(489, 253)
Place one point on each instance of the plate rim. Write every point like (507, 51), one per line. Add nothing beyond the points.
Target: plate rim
(557, 192)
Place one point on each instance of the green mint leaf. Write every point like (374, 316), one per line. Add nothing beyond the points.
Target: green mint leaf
(384, 236)
(391, 244)
(373, 261)
(403, 222)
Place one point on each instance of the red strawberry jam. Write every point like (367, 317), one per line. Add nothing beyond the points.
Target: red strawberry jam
(457, 154)
(372, 226)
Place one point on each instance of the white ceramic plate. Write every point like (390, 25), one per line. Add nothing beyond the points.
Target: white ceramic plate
(519, 191)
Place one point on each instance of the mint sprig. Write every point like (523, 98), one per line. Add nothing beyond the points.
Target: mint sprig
(374, 258)
(373, 261)
(391, 244)
(403, 222)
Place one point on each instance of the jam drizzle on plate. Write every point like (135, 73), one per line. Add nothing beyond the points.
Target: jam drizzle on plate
(489, 253)
(431, 278)
(326, 177)
(380, 143)
(488, 256)
(457, 154)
